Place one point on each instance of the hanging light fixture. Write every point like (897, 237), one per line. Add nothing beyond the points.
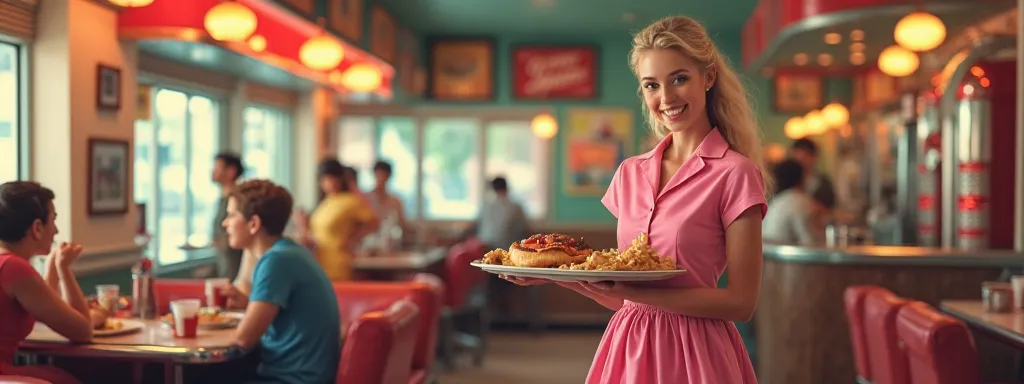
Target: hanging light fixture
(920, 31)
(131, 3)
(321, 53)
(897, 61)
(362, 77)
(814, 123)
(230, 21)
(258, 43)
(544, 126)
(795, 127)
(835, 115)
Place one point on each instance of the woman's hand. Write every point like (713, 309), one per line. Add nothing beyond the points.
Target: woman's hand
(524, 281)
(609, 289)
(66, 254)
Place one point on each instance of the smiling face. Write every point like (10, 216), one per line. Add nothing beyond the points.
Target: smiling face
(674, 88)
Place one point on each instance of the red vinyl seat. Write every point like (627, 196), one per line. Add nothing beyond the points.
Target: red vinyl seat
(939, 348)
(167, 290)
(379, 346)
(358, 298)
(853, 298)
(887, 362)
(11, 379)
(465, 299)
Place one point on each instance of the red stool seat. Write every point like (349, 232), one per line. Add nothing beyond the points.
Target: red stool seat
(939, 348)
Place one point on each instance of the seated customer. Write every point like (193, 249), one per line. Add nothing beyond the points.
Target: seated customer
(27, 228)
(790, 218)
(292, 312)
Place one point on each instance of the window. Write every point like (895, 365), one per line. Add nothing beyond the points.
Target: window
(174, 153)
(266, 139)
(442, 166)
(10, 117)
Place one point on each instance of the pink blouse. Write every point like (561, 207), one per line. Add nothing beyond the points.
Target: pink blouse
(15, 322)
(687, 219)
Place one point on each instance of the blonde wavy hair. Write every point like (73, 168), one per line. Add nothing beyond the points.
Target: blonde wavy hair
(727, 104)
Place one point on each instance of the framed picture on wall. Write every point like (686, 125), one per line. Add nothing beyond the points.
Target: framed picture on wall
(383, 35)
(108, 176)
(596, 141)
(461, 69)
(798, 93)
(108, 87)
(346, 17)
(554, 72)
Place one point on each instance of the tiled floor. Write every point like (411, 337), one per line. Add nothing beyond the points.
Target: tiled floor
(551, 358)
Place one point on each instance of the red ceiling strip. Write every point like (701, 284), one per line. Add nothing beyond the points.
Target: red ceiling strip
(285, 33)
(771, 17)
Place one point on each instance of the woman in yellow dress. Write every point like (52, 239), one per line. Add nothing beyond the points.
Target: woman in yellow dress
(339, 222)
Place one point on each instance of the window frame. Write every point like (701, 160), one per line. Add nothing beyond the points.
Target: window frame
(21, 128)
(191, 253)
(283, 138)
(483, 117)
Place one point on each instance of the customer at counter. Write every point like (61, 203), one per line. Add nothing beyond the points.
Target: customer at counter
(292, 313)
(791, 217)
(27, 229)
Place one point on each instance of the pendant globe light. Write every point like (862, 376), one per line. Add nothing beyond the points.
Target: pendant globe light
(362, 77)
(322, 52)
(230, 21)
(835, 115)
(795, 128)
(131, 3)
(897, 61)
(544, 126)
(814, 123)
(920, 31)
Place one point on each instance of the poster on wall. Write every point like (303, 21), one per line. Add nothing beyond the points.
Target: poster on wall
(304, 7)
(461, 70)
(549, 73)
(383, 35)
(108, 176)
(346, 17)
(596, 141)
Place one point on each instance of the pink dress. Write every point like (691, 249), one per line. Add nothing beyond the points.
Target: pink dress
(685, 221)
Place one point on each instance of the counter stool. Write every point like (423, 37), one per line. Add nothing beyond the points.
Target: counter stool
(853, 297)
(886, 360)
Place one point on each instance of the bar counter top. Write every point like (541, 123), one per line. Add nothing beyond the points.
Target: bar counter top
(893, 255)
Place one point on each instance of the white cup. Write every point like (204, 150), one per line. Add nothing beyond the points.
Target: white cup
(184, 309)
(1017, 282)
(212, 285)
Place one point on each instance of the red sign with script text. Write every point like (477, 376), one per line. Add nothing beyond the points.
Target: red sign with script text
(555, 73)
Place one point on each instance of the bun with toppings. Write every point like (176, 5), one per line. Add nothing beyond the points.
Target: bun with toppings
(548, 250)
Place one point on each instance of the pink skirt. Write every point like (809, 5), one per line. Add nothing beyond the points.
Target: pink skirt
(644, 344)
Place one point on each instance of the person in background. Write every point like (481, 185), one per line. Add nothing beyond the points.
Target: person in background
(501, 221)
(790, 219)
(817, 184)
(27, 229)
(388, 207)
(339, 223)
(292, 313)
(227, 168)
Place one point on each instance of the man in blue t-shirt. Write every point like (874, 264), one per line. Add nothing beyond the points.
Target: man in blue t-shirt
(292, 311)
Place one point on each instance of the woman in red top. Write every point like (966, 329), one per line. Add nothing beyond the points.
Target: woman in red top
(27, 229)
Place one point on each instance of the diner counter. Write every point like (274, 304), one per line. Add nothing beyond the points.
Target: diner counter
(801, 328)
(893, 255)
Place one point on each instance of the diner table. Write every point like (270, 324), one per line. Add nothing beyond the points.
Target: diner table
(1005, 327)
(402, 261)
(154, 343)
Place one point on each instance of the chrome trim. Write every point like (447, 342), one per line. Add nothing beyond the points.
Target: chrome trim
(835, 18)
(893, 255)
(1018, 222)
(156, 353)
(982, 48)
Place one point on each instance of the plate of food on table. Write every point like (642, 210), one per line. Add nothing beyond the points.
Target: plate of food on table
(559, 257)
(210, 318)
(103, 324)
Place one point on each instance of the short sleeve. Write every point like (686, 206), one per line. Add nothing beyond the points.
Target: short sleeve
(611, 196)
(271, 282)
(13, 269)
(744, 188)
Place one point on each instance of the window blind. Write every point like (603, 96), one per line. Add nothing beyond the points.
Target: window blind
(18, 18)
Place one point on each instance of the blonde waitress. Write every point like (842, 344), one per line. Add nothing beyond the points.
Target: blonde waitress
(339, 222)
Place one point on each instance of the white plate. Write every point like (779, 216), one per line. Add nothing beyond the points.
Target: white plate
(127, 326)
(570, 275)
